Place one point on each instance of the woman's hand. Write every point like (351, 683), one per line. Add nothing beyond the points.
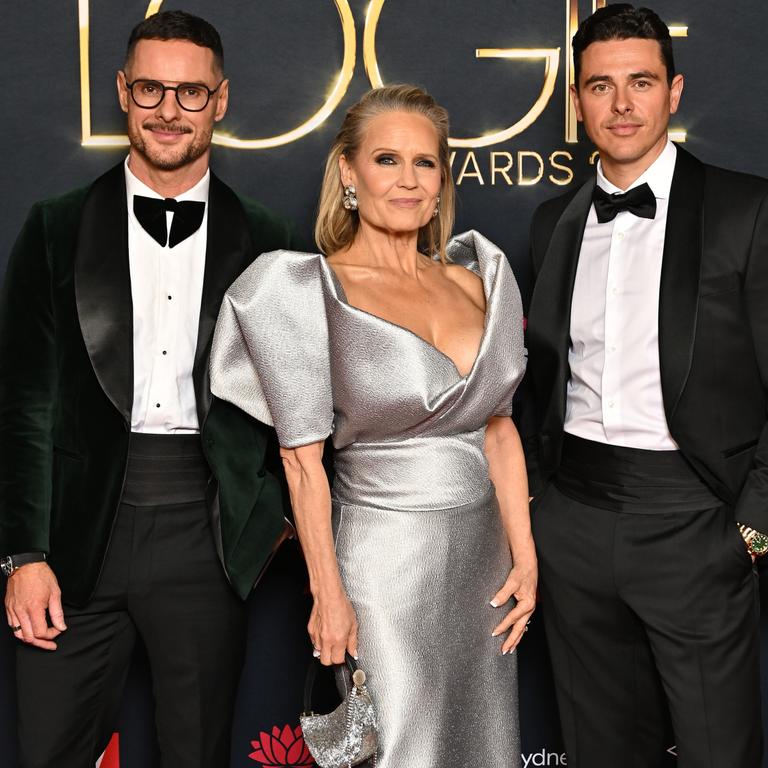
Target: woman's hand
(520, 584)
(333, 628)
(332, 625)
(506, 466)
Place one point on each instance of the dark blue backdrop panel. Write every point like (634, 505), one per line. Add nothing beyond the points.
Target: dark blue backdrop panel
(284, 58)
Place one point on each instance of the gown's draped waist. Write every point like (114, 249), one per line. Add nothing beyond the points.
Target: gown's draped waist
(418, 473)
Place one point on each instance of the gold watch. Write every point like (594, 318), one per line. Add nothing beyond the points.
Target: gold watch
(757, 543)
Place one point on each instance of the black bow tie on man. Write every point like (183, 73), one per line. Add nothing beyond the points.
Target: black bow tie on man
(187, 217)
(639, 200)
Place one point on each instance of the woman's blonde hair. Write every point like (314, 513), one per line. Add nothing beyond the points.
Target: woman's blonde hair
(336, 227)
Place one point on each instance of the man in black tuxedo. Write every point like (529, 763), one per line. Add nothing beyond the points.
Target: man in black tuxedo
(648, 358)
(132, 503)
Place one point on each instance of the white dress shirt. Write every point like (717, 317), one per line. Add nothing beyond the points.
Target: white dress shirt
(614, 393)
(167, 288)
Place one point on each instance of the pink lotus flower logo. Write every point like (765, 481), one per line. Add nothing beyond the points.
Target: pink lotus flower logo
(282, 748)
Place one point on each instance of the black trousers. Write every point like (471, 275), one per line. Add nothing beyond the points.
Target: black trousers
(650, 606)
(162, 583)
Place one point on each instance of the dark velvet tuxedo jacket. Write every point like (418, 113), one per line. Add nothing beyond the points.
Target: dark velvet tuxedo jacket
(713, 329)
(66, 386)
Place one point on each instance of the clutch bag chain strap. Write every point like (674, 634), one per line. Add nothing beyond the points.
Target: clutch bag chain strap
(358, 686)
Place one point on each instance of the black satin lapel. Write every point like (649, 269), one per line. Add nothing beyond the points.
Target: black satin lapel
(550, 313)
(228, 252)
(678, 298)
(103, 288)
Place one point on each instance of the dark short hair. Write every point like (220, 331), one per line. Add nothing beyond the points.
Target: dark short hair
(177, 25)
(623, 21)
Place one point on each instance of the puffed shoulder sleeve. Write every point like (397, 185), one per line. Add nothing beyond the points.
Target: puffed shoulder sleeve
(506, 357)
(507, 306)
(270, 349)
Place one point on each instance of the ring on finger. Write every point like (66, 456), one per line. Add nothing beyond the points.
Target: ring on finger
(316, 653)
(16, 629)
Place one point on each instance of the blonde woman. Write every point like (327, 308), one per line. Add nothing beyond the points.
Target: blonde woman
(406, 349)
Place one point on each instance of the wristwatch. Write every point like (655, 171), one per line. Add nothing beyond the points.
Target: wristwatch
(10, 563)
(757, 543)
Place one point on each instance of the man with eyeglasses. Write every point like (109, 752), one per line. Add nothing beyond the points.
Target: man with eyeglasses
(133, 505)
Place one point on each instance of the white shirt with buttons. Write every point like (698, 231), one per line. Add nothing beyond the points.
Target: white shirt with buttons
(167, 289)
(614, 393)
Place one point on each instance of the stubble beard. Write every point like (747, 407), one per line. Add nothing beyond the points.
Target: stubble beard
(170, 159)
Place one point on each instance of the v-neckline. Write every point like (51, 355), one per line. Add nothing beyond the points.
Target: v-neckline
(341, 296)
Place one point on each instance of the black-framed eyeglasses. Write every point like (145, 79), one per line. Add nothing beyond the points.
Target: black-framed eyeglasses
(192, 97)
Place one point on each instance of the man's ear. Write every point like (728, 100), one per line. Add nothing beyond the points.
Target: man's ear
(222, 101)
(675, 93)
(122, 90)
(576, 102)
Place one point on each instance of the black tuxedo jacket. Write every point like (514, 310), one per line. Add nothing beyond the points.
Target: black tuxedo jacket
(713, 329)
(66, 386)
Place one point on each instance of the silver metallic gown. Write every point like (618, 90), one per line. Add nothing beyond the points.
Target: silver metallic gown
(418, 534)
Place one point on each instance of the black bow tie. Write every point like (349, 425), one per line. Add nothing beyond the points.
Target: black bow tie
(187, 217)
(640, 200)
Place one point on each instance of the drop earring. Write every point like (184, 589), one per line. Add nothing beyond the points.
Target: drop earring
(349, 201)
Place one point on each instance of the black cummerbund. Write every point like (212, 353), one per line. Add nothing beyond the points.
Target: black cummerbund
(630, 479)
(164, 469)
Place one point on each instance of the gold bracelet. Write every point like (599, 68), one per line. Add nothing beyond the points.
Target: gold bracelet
(757, 542)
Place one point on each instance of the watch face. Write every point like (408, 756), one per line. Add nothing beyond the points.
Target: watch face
(759, 544)
(6, 565)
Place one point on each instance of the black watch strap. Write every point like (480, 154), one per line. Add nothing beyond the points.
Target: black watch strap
(12, 562)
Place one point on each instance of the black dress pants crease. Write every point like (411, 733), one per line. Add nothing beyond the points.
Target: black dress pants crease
(650, 605)
(162, 583)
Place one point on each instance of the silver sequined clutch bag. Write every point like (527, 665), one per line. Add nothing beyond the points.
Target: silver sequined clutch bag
(347, 736)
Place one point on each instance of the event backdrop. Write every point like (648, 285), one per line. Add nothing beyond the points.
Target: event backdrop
(501, 67)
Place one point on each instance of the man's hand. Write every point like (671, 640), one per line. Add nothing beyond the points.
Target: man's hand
(31, 590)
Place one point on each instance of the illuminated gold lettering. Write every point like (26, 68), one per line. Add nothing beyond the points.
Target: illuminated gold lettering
(465, 174)
(340, 84)
(568, 178)
(370, 60)
(526, 181)
(504, 170)
(336, 94)
(551, 57)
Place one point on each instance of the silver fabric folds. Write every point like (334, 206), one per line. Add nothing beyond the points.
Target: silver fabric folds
(419, 538)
